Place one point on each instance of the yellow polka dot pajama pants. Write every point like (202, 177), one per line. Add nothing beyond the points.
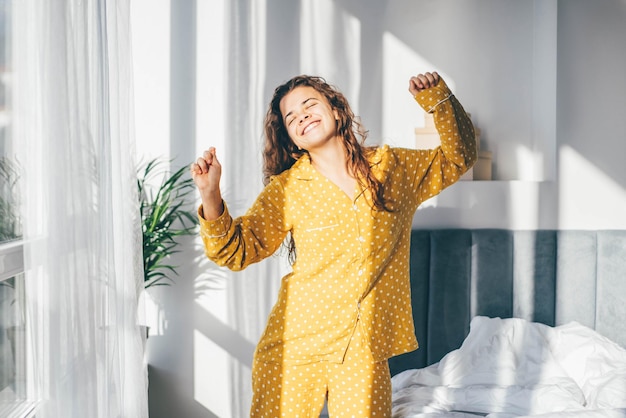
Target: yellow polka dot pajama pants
(358, 387)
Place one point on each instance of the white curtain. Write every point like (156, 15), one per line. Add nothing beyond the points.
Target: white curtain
(251, 293)
(244, 50)
(324, 42)
(73, 120)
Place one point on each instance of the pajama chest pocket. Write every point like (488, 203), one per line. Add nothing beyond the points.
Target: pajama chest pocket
(317, 235)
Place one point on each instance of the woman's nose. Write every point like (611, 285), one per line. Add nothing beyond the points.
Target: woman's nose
(304, 117)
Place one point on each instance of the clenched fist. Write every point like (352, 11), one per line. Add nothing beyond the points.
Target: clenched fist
(422, 82)
(206, 173)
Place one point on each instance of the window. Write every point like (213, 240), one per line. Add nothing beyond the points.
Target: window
(14, 364)
(9, 175)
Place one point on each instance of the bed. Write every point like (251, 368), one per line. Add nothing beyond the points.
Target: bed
(515, 323)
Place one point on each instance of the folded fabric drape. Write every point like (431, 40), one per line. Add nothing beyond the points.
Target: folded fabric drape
(83, 270)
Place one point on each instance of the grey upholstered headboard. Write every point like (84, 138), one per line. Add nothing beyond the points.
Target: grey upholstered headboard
(547, 276)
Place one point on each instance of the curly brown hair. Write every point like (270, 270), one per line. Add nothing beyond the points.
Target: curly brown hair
(280, 152)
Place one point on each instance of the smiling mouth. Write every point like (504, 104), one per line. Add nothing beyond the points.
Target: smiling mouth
(309, 127)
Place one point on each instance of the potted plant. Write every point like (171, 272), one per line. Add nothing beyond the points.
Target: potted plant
(9, 218)
(11, 326)
(165, 217)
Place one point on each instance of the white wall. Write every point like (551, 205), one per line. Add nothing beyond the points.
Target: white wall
(591, 110)
(543, 80)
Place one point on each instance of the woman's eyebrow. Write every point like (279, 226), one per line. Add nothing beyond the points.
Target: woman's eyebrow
(303, 103)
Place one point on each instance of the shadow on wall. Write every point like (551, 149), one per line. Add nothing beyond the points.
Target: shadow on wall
(183, 376)
(172, 366)
(163, 385)
(224, 336)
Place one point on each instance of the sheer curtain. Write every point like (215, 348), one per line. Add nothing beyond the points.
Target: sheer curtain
(244, 50)
(82, 256)
(252, 292)
(268, 43)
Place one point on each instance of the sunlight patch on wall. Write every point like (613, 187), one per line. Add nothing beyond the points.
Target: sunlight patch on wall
(210, 74)
(330, 46)
(515, 161)
(588, 198)
(401, 114)
(487, 204)
(211, 387)
(211, 371)
(151, 76)
(524, 201)
(152, 314)
(221, 354)
(213, 300)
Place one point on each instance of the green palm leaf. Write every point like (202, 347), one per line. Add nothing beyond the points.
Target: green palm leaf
(164, 218)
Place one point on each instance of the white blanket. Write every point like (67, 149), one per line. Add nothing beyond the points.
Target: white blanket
(512, 368)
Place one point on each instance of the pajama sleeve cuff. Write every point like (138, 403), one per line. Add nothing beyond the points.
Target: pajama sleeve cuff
(216, 228)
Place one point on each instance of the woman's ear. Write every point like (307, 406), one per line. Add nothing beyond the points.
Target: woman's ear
(336, 114)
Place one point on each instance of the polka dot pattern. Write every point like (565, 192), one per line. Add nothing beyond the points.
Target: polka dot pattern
(358, 387)
(352, 262)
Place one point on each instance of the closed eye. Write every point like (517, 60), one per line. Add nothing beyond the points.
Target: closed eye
(290, 117)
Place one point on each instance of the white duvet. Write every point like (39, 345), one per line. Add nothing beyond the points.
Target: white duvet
(512, 368)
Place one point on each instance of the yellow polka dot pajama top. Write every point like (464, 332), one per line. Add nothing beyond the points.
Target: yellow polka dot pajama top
(352, 260)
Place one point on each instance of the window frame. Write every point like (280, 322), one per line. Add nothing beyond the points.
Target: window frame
(24, 404)
(23, 400)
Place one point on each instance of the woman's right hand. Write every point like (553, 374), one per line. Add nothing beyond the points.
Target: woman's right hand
(206, 173)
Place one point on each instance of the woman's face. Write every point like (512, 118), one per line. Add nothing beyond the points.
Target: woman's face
(310, 120)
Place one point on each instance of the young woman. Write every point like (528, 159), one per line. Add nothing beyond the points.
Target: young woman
(346, 212)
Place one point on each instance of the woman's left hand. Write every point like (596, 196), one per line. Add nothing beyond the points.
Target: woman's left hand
(422, 82)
